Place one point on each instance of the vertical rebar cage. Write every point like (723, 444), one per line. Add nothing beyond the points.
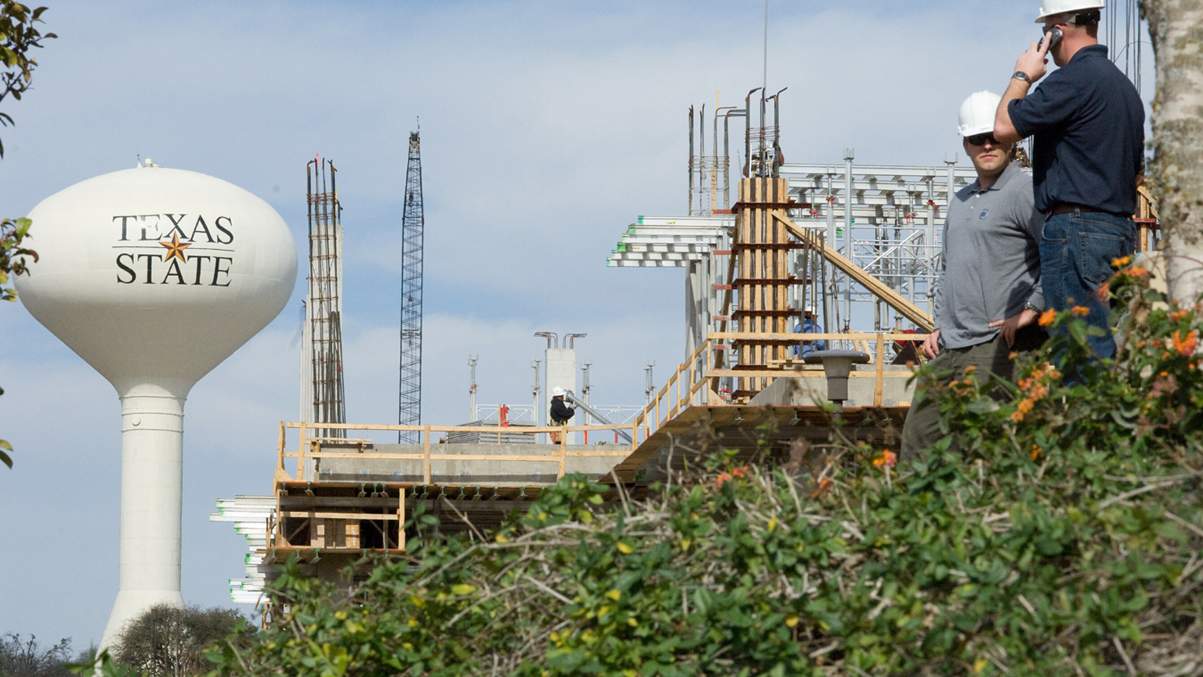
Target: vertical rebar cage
(324, 308)
(409, 397)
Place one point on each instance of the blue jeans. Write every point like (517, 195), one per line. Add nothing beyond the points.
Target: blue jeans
(1076, 251)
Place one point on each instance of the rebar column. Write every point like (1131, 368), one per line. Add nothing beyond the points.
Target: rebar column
(325, 295)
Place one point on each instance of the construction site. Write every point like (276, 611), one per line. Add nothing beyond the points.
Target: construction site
(443, 372)
(760, 241)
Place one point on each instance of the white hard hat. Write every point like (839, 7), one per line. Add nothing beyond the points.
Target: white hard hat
(557, 392)
(977, 113)
(1051, 7)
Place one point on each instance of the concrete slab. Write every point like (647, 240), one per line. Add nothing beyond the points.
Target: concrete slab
(896, 389)
(534, 469)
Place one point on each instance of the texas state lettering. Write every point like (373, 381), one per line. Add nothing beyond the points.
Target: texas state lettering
(180, 249)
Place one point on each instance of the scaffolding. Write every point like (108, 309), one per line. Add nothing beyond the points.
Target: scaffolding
(409, 396)
(886, 220)
(323, 306)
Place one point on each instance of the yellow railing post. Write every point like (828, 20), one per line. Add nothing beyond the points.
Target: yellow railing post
(400, 521)
(563, 452)
(301, 448)
(879, 376)
(426, 470)
(280, 447)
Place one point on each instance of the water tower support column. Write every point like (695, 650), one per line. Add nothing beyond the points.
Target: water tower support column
(152, 429)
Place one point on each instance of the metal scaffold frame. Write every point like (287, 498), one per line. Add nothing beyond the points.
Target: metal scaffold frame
(409, 396)
(868, 229)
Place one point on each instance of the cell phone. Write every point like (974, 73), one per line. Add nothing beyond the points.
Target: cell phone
(1054, 39)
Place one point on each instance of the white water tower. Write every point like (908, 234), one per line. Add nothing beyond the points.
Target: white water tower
(154, 276)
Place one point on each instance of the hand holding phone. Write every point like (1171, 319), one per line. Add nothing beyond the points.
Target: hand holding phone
(1033, 60)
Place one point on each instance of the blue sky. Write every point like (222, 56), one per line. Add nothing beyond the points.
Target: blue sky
(547, 127)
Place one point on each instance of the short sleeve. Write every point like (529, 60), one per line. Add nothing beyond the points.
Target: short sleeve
(1047, 107)
(1025, 216)
(1023, 210)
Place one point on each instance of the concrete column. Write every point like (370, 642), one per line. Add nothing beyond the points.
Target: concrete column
(152, 435)
(560, 372)
(849, 156)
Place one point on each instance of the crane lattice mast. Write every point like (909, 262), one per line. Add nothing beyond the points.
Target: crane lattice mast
(409, 410)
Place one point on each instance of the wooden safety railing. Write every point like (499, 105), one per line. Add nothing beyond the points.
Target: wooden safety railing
(311, 447)
(685, 386)
(695, 381)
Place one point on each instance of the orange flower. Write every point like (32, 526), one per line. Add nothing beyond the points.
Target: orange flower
(1026, 405)
(741, 471)
(1080, 311)
(821, 488)
(1035, 452)
(1103, 292)
(722, 479)
(1137, 271)
(1048, 317)
(1185, 345)
(1179, 315)
(1121, 261)
(887, 459)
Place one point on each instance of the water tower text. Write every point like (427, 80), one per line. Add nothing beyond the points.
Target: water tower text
(179, 249)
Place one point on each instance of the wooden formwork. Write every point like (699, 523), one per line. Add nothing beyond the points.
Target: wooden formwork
(1146, 219)
(762, 279)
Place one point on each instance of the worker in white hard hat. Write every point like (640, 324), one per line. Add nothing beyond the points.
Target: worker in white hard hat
(560, 412)
(988, 296)
(807, 324)
(1087, 122)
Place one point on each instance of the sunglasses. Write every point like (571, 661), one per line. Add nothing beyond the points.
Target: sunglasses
(981, 139)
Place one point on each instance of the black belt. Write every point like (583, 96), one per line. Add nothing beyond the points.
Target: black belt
(1065, 208)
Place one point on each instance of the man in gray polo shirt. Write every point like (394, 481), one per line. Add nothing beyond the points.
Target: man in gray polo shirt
(989, 295)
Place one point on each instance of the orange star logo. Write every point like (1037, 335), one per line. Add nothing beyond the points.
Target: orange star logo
(175, 249)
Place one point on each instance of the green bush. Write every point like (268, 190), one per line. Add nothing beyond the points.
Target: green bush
(1055, 537)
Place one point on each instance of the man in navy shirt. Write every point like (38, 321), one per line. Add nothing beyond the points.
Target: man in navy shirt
(1088, 122)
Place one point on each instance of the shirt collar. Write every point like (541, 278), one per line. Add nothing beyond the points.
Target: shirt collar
(1007, 174)
(1086, 52)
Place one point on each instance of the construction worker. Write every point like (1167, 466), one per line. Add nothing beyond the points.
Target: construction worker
(1087, 121)
(989, 296)
(807, 325)
(560, 412)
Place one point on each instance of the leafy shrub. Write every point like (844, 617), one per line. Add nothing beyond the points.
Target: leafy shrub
(1058, 536)
(170, 641)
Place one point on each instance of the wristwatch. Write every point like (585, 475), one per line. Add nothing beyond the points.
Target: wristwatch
(1020, 75)
(1031, 306)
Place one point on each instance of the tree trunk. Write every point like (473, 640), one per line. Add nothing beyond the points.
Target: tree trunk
(1176, 29)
